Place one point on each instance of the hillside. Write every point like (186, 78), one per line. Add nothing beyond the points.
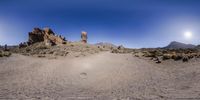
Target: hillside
(179, 45)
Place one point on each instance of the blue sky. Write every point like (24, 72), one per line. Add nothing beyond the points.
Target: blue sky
(132, 23)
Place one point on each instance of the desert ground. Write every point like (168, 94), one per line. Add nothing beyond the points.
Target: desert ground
(101, 76)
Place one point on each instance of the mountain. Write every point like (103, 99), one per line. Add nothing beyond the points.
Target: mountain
(106, 44)
(2, 47)
(179, 45)
(198, 47)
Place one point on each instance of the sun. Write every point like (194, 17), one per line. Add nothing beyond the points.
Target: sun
(188, 35)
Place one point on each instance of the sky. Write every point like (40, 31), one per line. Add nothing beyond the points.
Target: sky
(132, 23)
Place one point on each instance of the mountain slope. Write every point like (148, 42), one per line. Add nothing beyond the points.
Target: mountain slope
(106, 44)
(179, 45)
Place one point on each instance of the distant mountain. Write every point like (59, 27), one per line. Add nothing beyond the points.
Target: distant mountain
(198, 47)
(179, 45)
(2, 47)
(105, 44)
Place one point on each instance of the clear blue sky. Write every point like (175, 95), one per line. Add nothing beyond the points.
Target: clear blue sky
(133, 23)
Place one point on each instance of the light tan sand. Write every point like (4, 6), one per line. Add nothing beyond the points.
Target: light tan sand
(102, 76)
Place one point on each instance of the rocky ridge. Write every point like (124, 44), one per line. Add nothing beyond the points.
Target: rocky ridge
(45, 43)
(46, 35)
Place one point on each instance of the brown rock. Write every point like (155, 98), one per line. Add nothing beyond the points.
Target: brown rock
(157, 60)
(121, 47)
(84, 37)
(185, 59)
(46, 35)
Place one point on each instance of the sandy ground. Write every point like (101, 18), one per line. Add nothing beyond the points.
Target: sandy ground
(102, 76)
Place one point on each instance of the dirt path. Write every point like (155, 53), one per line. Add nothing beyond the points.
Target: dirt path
(103, 76)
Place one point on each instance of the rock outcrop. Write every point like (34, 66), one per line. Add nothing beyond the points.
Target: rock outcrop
(46, 35)
(84, 37)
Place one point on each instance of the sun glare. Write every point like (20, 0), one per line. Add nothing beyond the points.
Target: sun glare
(188, 35)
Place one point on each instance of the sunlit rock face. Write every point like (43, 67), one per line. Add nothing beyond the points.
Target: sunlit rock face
(45, 35)
(37, 35)
(84, 37)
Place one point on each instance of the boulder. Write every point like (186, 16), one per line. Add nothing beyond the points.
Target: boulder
(185, 59)
(121, 47)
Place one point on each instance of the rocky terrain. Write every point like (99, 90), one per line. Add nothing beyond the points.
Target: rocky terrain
(48, 67)
(101, 76)
(175, 51)
(45, 43)
(70, 49)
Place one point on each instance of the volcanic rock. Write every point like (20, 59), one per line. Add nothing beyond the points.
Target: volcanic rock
(84, 37)
(46, 35)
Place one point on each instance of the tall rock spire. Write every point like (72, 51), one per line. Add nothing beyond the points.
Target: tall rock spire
(84, 37)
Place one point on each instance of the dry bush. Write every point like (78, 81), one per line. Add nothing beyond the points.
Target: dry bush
(5, 54)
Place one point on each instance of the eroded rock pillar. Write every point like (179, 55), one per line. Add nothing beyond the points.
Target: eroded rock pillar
(84, 37)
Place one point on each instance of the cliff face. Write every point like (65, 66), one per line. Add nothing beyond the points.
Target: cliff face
(45, 35)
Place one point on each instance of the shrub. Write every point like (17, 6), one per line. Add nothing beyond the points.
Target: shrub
(167, 56)
(4, 54)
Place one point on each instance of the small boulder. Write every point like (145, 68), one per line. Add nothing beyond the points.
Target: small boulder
(185, 59)
(157, 60)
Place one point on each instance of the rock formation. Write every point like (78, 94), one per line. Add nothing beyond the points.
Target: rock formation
(46, 35)
(84, 37)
